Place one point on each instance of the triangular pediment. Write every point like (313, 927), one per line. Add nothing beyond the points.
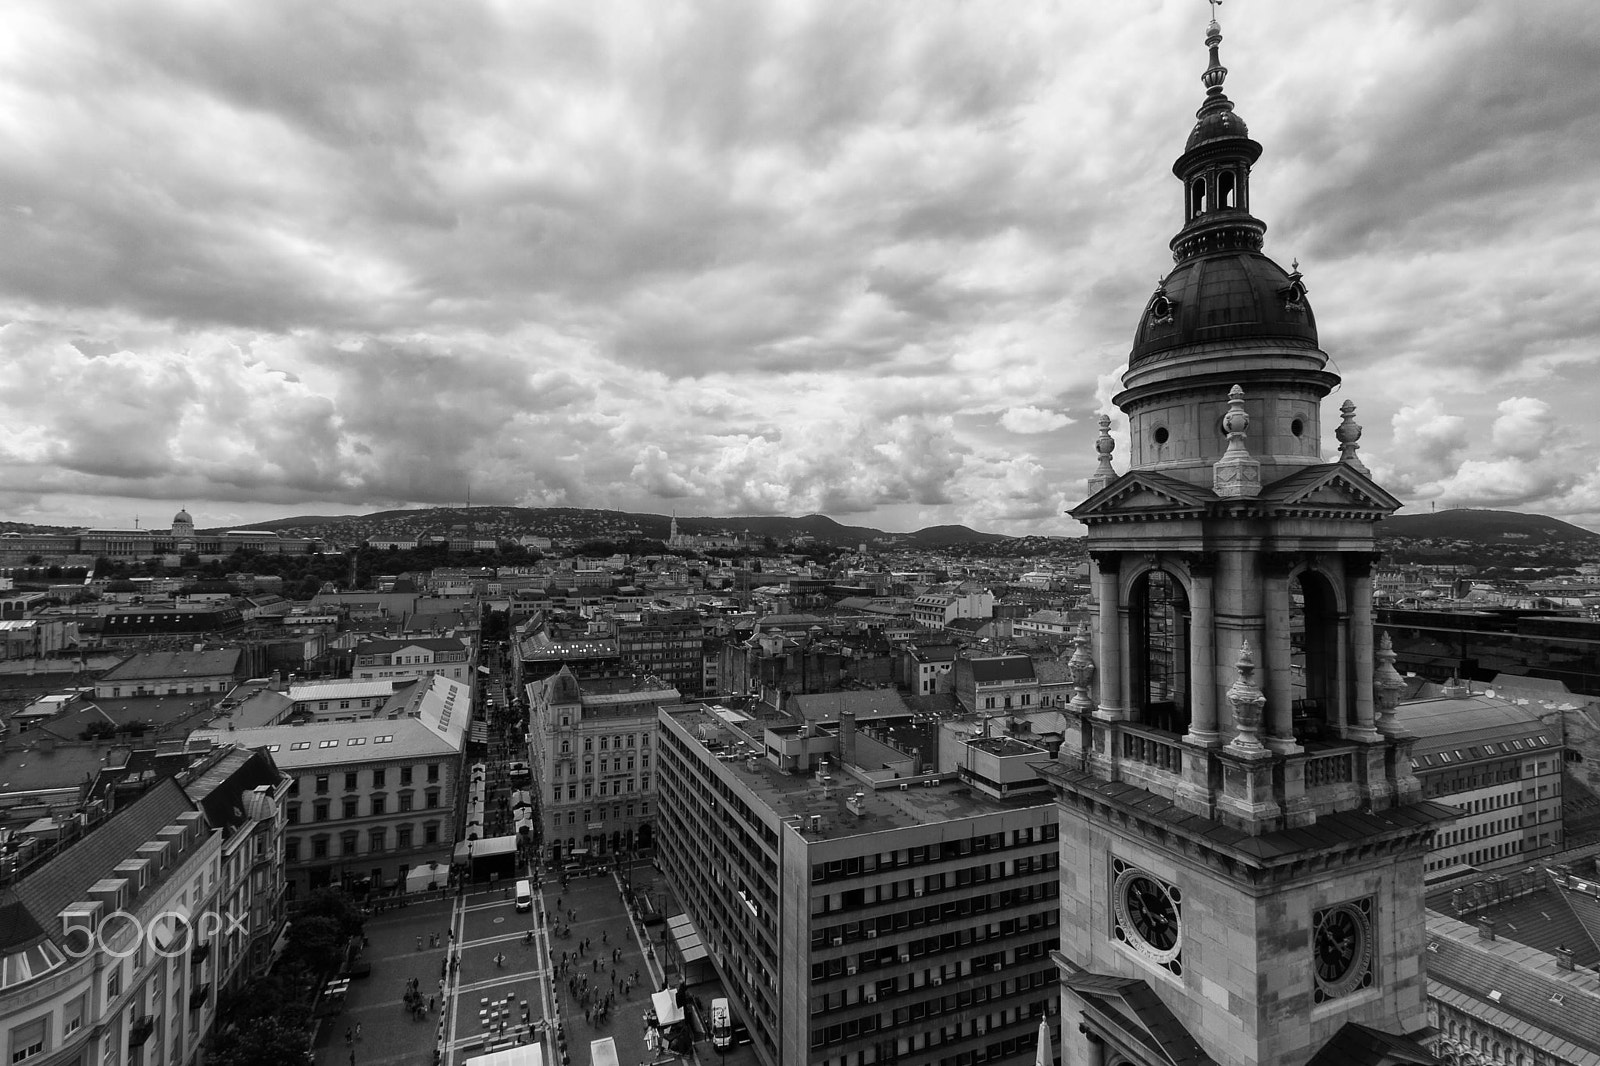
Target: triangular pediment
(1332, 485)
(1129, 1009)
(1144, 492)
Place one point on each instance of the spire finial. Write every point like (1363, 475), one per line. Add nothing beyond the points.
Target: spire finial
(1216, 73)
(1349, 436)
(1104, 473)
(1236, 474)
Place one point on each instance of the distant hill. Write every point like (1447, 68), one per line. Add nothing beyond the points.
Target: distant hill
(1502, 528)
(577, 523)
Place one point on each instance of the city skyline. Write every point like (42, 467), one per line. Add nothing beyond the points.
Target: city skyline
(740, 259)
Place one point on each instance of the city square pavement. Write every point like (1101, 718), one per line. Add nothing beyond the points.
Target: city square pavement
(389, 1035)
(498, 986)
(592, 909)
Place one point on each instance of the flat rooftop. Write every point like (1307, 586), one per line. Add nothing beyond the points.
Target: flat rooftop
(730, 736)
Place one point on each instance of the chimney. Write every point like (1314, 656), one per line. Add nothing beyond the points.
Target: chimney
(847, 736)
(1486, 928)
(1564, 957)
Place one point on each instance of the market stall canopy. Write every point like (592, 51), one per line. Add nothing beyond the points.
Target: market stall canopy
(667, 1010)
(482, 849)
(525, 1055)
(429, 875)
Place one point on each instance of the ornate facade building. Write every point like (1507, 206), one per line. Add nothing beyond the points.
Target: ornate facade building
(1245, 833)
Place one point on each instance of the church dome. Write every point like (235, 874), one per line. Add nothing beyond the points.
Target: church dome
(1225, 297)
(181, 516)
(1215, 125)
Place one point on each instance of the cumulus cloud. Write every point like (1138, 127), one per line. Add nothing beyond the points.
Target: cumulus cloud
(1029, 419)
(782, 257)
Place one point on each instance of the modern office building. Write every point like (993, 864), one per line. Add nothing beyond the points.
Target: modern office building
(591, 744)
(859, 905)
(1496, 762)
(1242, 835)
(369, 799)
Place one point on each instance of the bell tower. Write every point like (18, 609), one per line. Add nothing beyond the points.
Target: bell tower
(1242, 835)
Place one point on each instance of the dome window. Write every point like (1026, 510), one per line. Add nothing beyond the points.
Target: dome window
(1160, 435)
(1297, 427)
(1160, 305)
(1197, 197)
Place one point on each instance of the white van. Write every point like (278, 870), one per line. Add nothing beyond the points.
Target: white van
(721, 1024)
(524, 895)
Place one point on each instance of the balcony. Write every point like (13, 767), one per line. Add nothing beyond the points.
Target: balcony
(140, 1030)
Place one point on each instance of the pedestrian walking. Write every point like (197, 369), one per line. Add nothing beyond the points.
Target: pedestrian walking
(358, 1030)
(352, 1057)
(430, 1004)
(349, 1036)
(605, 936)
(419, 942)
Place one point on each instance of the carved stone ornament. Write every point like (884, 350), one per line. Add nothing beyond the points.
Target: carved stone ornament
(1349, 437)
(1081, 669)
(1236, 475)
(1387, 685)
(1248, 703)
(1104, 472)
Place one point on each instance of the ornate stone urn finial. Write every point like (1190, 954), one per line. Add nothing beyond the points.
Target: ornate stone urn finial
(1387, 685)
(1081, 669)
(1104, 473)
(1248, 704)
(1349, 436)
(1236, 474)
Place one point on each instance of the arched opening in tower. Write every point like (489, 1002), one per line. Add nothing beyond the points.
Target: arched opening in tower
(1227, 194)
(1160, 642)
(1197, 197)
(1314, 654)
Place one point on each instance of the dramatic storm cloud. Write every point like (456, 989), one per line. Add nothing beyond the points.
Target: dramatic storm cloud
(876, 260)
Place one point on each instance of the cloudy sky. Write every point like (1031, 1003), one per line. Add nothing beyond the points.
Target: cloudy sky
(878, 260)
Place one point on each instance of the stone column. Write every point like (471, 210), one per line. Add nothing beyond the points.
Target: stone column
(1358, 580)
(1203, 653)
(1108, 570)
(1278, 683)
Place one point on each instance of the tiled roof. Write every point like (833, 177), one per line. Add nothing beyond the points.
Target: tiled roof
(1002, 668)
(220, 789)
(152, 665)
(1157, 1027)
(1357, 1045)
(1531, 989)
(65, 879)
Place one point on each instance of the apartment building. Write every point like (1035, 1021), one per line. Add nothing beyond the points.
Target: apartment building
(996, 683)
(242, 793)
(369, 799)
(171, 673)
(935, 610)
(591, 744)
(79, 986)
(860, 906)
(1500, 765)
(411, 657)
(669, 645)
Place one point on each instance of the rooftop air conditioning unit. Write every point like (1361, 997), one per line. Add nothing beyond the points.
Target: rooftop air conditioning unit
(905, 786)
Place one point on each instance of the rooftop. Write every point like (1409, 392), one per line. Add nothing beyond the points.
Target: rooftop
(729, 736)
(163, 664)
(1471, 728)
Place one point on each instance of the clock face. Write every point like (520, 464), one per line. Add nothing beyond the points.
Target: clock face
(1149, 914)
(1342, 949)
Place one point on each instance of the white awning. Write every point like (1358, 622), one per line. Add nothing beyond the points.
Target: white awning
(525, 1055)
(666, 1004)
